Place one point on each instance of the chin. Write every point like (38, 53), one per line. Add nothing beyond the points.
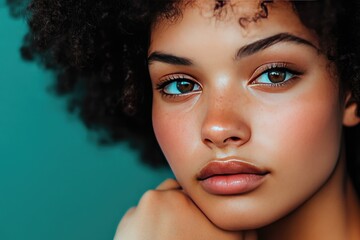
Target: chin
(235, 214)
(240, 223)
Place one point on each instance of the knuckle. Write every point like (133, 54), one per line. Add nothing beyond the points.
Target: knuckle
(125, 220)
(129, 212)
(167, 184)
(149, 196)
(149, 199)
(169, 180)
(163, 199)
(159, 202)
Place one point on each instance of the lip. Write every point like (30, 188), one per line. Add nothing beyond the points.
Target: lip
(230, 177)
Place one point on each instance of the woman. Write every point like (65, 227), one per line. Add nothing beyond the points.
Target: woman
(249, 104)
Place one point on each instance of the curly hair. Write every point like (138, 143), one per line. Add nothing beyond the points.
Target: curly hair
(98, 50)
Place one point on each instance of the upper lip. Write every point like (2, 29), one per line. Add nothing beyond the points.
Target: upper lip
(229, 167)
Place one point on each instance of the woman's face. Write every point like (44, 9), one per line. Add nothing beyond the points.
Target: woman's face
(248, 117)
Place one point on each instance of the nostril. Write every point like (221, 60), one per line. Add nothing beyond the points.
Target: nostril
(232, 139)
(222, 142)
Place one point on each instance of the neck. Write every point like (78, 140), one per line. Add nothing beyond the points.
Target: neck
(333, 213)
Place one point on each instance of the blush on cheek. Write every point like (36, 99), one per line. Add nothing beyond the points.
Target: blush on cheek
(162, 131)
(313, 136)
(169, 132)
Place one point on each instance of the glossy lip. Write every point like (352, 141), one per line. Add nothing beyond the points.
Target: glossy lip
(229, 177)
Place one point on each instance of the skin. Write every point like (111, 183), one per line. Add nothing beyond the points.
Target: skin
(168, 213)
(293, 130)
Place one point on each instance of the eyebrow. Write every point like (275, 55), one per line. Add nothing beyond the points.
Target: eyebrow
(169, 59)
(262, 44)
(244, 51)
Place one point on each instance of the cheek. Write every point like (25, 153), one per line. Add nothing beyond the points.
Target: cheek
(304, 141)
(168, 132)
(177, 136)
(299, 142)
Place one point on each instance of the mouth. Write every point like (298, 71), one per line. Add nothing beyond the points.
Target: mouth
(230, 177)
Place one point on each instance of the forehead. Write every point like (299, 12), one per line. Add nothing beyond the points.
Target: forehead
(251, 20)
(225, 8)
(244, 12)
(171, 11)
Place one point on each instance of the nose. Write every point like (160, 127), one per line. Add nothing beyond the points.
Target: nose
(225, 124)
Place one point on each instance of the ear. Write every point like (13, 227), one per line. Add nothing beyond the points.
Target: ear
(350, 118)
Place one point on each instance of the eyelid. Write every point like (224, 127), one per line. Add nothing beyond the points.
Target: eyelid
(274, 65)
(169, 79)
(172, 78)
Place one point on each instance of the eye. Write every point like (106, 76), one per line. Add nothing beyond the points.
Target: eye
(178, 85)
(275, 76)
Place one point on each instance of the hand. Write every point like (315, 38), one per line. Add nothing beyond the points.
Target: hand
(168, 213)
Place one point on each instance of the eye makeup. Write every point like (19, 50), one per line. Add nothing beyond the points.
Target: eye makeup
(176, 85)
(274, 75)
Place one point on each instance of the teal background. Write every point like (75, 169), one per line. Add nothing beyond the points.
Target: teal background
(55, 182)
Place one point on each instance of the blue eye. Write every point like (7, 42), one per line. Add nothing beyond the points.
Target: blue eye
(181, 86)
(275, 76)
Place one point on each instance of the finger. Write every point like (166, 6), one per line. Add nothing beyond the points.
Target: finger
(127, 215)
(169, 184)
(130, 212)
(124, 221)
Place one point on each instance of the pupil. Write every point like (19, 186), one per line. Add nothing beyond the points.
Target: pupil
(277, 76)
(185, 87)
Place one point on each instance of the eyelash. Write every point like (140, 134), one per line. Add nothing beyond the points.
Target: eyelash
(283, 67)
(175, 78)
(280, 66)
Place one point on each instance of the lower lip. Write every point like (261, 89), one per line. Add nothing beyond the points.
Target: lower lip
(232, 184)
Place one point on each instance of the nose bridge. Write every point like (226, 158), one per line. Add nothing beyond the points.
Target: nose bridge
(224, 121)
(221, 103)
